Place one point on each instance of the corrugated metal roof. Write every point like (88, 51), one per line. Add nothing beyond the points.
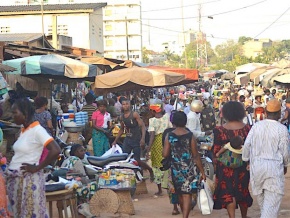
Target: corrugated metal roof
(55, 7)
(20, 37)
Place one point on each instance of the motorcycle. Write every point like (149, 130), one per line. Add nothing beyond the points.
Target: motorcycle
(204, 149)
(65, 151)
(113, 161)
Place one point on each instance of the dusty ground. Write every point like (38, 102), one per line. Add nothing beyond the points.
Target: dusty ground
(150, 207)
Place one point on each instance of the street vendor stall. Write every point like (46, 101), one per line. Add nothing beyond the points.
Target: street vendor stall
(49, 70)
(137, 78)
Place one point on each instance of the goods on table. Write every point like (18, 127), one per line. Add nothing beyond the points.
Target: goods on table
(116, 179)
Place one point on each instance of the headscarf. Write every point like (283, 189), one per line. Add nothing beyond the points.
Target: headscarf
(156, 107)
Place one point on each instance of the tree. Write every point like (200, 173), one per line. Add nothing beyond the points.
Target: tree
(173, 60)
(191, 53)
(145, 55)
(243, 39)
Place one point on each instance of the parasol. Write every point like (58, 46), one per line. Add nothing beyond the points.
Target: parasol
(52, 66)
(228, 76)
(268, 80)
(4, 68)
(282, 79)
(138, 78)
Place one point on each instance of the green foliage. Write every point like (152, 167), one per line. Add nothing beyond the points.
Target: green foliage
(243, 39)
(173, 60)
(145, 55)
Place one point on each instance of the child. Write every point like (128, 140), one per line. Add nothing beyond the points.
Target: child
(235, 145)
(101, 125)
(231, 153)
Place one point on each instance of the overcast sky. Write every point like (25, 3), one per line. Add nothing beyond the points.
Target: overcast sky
(161, 19)
(231, 19)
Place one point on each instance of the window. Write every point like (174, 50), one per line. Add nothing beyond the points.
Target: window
(5, 29)
(109, 43)
(108, 27)
(61, 30)
(108, 12)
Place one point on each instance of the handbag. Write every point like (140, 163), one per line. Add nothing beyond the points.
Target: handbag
(166, 163)
(205, 199)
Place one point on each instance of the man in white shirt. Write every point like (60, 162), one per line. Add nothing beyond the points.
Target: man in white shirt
(266, 147)
(168, 108)
(267, 96)
(193, 119)
(206, 94)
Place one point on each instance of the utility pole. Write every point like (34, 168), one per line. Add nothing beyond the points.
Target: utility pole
(149, 39)
(201, 51)
(127, 39)
(183, 33)
(42, 23)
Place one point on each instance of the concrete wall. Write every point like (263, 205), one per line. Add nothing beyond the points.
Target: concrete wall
(78, 26)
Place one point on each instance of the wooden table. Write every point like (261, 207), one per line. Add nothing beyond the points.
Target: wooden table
(64, 198)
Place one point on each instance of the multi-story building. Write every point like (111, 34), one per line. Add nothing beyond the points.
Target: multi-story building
(118, 28)
(254, 48)
(82, 22)
(122, 30)
(186, 37)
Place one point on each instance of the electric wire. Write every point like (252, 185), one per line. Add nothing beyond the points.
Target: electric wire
(210, 15)
(272, 23)
(165, 9)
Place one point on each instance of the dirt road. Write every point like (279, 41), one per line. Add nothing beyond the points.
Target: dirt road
(149, 207)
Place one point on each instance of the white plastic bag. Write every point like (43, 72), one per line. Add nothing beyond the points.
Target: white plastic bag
(116, 149)
(205, 199)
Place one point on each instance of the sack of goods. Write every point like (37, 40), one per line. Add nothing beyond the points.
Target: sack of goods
(116, 179)
(205, 199)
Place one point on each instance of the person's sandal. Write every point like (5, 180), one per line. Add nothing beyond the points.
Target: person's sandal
(175, 212)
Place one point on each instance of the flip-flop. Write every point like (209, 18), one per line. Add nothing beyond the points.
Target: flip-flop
(175, 212)
(158, 194)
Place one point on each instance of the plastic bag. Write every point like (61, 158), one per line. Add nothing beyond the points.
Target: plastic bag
(205, 199)
(116, 149)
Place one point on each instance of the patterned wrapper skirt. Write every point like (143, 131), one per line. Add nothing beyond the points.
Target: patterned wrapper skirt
(3, 198)
(101, 143)
(156, 158)
(26, 194)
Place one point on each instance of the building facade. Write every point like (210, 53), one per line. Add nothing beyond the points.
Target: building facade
(117, 27)
(82, 22)
(254, 48)
(122, 30)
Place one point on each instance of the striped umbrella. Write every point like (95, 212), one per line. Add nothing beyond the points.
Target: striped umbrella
(51, 66)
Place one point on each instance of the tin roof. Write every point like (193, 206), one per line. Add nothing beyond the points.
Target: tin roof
(20, 37)
(51, 7)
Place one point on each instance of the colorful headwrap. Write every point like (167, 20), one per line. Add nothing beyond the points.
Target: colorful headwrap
(156, 107)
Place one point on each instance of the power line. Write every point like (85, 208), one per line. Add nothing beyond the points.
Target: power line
(225, 12)
(165, 9)
(169, 30)
(272, 23)
(162, 28)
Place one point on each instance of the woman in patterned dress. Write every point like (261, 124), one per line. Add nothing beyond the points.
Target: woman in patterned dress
(25, 178)
(231, 185)
(157, 125)
(181, 146)
(74, 162)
